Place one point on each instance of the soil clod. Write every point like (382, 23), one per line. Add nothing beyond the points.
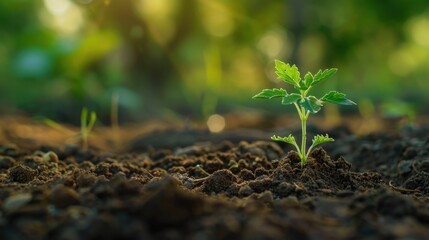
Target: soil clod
(22, 174)
(371, 187)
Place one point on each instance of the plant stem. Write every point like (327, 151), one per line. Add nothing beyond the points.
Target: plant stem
(83, 128)
(304, 138)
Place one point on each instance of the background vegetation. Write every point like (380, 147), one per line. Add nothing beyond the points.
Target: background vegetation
(193, 58)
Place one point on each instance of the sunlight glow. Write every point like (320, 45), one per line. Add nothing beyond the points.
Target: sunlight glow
(312, 51)
(84, 1)
(419, 30)
(63, 16)
(159, 15)
(250, 77)
(414, 54)
(57, 7)
(216, 19)
(405, 60)
(273, 44)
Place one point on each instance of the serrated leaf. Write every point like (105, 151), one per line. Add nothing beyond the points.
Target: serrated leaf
(287, 73)
(319, 139)
(271, 93)
(300, 87)
(337, 98)
(308, 79)
(322, 75)
(311, 104)
(291, 98)
(289, 139)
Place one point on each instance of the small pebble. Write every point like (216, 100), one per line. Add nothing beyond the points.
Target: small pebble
(16, 201)
(50, 157)
(405, 166)
(410, 153)
(6, 162)
(188, 183)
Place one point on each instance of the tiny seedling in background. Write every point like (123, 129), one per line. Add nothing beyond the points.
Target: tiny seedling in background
(114, 119)
(86, 126)
(202, 170)
(304, 103)
(397, 109)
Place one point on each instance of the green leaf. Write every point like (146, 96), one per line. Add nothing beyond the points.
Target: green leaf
(86, 126)
(311, 104)
(271, 93)
(291, 98)
(319, 139)
(300, 87)
(308, 79)
(322, 75)
(287, 73)
(337, 98)
(83, 118)
(289, 139)
(92, 120)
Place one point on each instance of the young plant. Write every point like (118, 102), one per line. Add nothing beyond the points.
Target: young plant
(303, 102)
(86, 126)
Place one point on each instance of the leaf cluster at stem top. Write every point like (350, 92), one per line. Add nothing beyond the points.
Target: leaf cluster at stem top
(306, 103)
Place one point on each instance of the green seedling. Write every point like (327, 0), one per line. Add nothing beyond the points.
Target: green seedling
(233, 166)
(202, 170)
(86, 126)
(303, 102)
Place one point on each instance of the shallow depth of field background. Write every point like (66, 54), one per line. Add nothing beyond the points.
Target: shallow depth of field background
(195, 58)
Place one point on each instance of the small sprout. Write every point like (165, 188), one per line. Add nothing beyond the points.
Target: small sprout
(55, 125)
(233, 166)
(86, 126)
(202, 170)
(397, 109)
(304, 103)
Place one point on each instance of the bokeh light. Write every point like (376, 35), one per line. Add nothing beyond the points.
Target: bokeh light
(194, 59)
(62, 15)
(216, 123)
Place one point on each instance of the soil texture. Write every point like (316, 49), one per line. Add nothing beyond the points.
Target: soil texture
(230, 186)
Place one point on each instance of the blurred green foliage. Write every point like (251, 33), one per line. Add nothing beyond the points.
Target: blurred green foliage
(198, 57)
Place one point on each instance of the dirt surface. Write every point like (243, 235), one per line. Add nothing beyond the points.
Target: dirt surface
(227, 186)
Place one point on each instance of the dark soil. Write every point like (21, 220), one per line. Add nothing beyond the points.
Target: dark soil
(371, 187)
